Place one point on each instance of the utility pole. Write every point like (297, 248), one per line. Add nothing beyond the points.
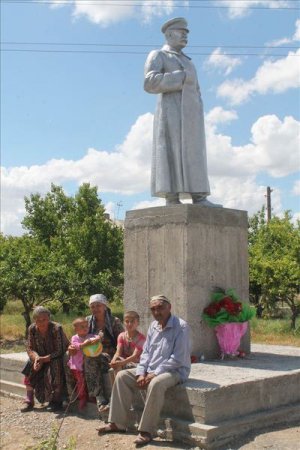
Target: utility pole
(119, 205)
(269, 207)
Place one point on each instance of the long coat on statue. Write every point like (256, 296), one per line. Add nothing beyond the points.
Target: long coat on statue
(179, 162)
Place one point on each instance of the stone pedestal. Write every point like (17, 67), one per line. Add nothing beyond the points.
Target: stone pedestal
(183, 252)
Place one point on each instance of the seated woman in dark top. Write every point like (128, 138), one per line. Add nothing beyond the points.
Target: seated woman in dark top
(44, 373)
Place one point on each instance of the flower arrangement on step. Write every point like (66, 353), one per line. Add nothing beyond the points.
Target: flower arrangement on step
(229, 316)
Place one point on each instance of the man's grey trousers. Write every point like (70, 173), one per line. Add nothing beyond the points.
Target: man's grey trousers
(122, 394)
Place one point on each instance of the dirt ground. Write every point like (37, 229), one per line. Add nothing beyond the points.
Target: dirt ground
(20, 430)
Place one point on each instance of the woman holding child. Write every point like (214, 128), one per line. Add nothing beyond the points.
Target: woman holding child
(109, 327)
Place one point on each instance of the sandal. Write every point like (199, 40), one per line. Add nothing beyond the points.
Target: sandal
(143, 438)
(27, 408)
(109, 428)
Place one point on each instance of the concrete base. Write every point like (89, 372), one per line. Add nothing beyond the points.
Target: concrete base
(11, 378)
(11, 382)
(183, 252)
(224, 400)
(227, 399)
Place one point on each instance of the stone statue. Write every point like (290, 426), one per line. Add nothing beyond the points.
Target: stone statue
(179, 165)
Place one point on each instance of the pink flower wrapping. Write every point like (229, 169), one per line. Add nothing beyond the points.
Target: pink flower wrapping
(229, 336)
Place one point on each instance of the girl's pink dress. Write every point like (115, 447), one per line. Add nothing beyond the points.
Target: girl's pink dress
(128, 346)
(76, 365)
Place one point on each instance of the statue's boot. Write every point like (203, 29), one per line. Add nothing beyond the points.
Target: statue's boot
(201, 200)
(172, 199)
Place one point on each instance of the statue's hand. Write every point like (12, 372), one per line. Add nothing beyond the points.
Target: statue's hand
(178, 73)
(189, 77)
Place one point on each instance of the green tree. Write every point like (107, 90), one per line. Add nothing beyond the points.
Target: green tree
(25, 272)
(255, 288)
(85, 249)
(274, 257)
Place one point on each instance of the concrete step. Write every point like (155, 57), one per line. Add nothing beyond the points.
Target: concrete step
(221, 400)
(11, 365)
(218, 436)
(8, 387)
(11, 378)
(220, 390)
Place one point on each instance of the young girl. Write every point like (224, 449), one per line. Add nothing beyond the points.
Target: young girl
(78, 341)
(129, 348)
(130, 344)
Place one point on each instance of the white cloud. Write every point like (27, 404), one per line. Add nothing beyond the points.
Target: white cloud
(296, 36)
(222, 62)
(149, 203)
(125, 170)
(288, 40)
(110, 208)
(106, 12)
(243, 193)
(103, 13)
(232, 192)
(277, 145)
(296, 218)
(152, 8)
(57, 3)
(296, 188)
(273, 76)
(272, 149)
(219, 115)
(238, 9)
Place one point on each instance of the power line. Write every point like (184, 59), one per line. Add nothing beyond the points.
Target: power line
(22, 50)
(162, 1)
(94, 44)
(213, 2)
(149, 3)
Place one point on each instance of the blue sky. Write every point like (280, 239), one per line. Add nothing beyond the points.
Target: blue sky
(74, 113)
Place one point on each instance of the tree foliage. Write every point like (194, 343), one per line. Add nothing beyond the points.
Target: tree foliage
(71, 250)
(274, 252)
(25, 272)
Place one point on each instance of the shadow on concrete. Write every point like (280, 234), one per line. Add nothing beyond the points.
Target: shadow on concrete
(200, 384)
(262, 361)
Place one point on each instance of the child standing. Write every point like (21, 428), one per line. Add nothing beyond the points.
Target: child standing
(78, 341)
(130, 344)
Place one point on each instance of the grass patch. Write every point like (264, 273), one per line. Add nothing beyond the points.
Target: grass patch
(263, 331)
(12, 323)
(274, 331)
(13, 307)
(12, 326)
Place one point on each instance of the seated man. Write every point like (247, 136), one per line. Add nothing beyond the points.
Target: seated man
(165, 362)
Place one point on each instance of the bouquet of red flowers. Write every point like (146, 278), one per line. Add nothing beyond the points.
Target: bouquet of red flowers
(226, 308)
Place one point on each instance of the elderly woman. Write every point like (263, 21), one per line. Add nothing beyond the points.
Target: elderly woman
(44, 374)
(103, 322)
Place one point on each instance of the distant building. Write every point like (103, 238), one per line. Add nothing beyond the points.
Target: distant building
(117, 222)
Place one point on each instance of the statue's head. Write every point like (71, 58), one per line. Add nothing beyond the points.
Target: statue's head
(176, 32)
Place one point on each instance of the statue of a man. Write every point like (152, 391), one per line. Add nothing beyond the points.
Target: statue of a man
(179, 165)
